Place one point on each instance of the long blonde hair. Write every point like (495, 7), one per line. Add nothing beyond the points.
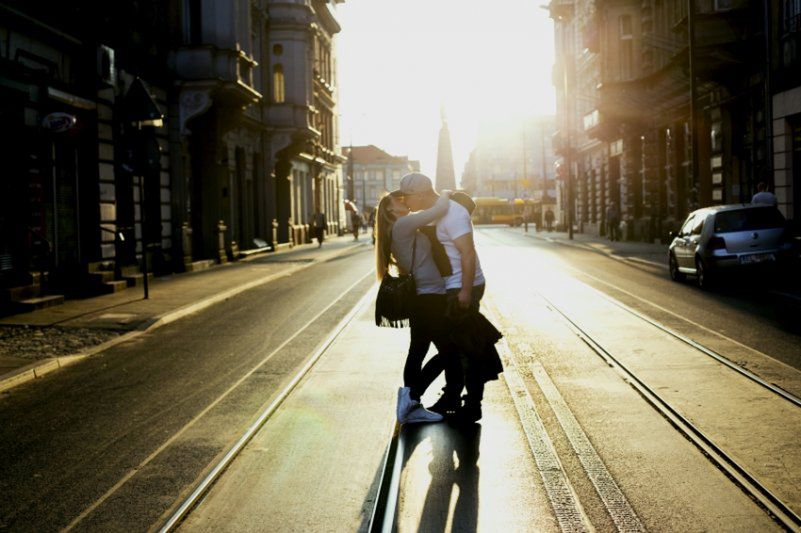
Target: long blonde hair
(384, 220)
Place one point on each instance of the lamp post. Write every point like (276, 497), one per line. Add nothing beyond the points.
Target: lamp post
(563, 13)
(143, 116)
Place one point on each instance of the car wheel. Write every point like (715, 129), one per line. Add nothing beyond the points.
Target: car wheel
(702, 274)
(673, 265)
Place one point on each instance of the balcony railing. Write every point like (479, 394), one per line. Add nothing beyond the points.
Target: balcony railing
(228, 72)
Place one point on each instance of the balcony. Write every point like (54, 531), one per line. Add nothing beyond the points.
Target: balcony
(618, 103)
(560, 144)
(227, 73)
(298, 119)
(591, 37)
(724, 41)
(561, 9)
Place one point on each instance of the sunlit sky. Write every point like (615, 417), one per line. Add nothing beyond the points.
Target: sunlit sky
(400, 60)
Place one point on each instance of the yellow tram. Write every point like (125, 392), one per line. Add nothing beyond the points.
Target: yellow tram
(502, 211)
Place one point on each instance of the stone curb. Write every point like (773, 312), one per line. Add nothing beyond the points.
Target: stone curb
(612, 255)
(39, 368)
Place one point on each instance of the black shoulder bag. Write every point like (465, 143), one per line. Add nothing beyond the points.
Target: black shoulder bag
(393, 304)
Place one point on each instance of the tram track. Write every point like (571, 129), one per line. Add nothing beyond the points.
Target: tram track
(773, 504)
(780, 511)
(216, 470)
(717, 356)
(341, 304)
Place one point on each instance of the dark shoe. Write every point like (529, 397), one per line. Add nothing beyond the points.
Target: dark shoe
(469, 414)
(446, 405)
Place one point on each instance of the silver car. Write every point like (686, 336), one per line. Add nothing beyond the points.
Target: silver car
(727, 238)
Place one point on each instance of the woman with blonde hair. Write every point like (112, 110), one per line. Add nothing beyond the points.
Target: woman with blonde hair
(398, 246)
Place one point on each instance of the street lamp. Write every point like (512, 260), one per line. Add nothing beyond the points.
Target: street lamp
(141, 113)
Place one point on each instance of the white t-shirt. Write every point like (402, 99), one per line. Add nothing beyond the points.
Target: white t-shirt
(450, 227)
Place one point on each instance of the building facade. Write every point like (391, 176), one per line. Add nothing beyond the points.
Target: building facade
(516, 162)
(374, 172)
(72, 209)
(663, 108)
(241, 146)
(301, 115)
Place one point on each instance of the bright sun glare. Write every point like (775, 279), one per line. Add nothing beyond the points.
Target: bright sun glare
(400, 60)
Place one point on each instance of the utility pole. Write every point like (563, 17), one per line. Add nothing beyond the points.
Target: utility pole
(568, 62)
(693, 111)
(525, 172)
(351, 177)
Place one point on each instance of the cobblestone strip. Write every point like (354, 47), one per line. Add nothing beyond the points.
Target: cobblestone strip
(615, 501)
(565, 503)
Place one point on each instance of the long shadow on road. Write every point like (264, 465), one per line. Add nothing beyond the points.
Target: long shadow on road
(454, 473)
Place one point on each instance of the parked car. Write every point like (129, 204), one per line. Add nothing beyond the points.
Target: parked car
(728, 238)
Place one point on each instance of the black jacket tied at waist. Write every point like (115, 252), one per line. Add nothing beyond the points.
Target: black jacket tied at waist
(475, 336)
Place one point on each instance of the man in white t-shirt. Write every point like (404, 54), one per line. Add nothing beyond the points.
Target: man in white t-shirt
(465, 284)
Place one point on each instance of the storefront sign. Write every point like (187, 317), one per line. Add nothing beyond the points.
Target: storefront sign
(59, 122)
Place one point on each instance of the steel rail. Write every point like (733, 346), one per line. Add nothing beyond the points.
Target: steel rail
(780, 511)
(209, 479)
(382, 518)
(795, 400)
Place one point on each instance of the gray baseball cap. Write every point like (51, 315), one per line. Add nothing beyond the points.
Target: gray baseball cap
(413, 183)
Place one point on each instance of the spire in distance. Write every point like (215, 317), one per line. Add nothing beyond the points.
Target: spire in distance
(445, 177)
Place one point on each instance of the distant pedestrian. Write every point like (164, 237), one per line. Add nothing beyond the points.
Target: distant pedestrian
(549, 219)
(613, 222)
(526, 216)
(319, 226)
(371, 223)
(763, 196)
(356, 223)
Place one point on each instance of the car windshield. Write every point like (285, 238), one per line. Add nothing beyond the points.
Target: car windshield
(748, 219)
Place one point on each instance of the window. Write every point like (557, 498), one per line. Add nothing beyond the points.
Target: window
(193, 21)
(698, 224)
(748, 220)
(279, 95)
(723, 5)
(687, 227)
(792, 16)
(626, 47)
(625, 26)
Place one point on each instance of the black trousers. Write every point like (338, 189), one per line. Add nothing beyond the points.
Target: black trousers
(428, 324)
(473, 380)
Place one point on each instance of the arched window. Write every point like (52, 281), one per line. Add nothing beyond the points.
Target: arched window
(279, 94)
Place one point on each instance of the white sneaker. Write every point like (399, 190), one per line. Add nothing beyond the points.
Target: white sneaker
(421, 414)
(405, 404)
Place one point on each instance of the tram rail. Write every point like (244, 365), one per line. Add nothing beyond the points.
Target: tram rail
(782, 513)
(779, 510)
(217, 469)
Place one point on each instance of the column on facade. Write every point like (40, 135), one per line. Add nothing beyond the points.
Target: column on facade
(650, 183)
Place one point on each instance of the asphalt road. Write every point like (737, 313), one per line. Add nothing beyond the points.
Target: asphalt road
(113, 441)
(746, 315)
(566, 442)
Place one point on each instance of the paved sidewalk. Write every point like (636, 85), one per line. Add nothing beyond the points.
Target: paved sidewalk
(641, 252)
(38, 342)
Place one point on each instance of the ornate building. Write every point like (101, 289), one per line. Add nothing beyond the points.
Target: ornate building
(71, 208)
(514, 162)
(300, 113)
(663, 108)
(374, 173)
(187, 129)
